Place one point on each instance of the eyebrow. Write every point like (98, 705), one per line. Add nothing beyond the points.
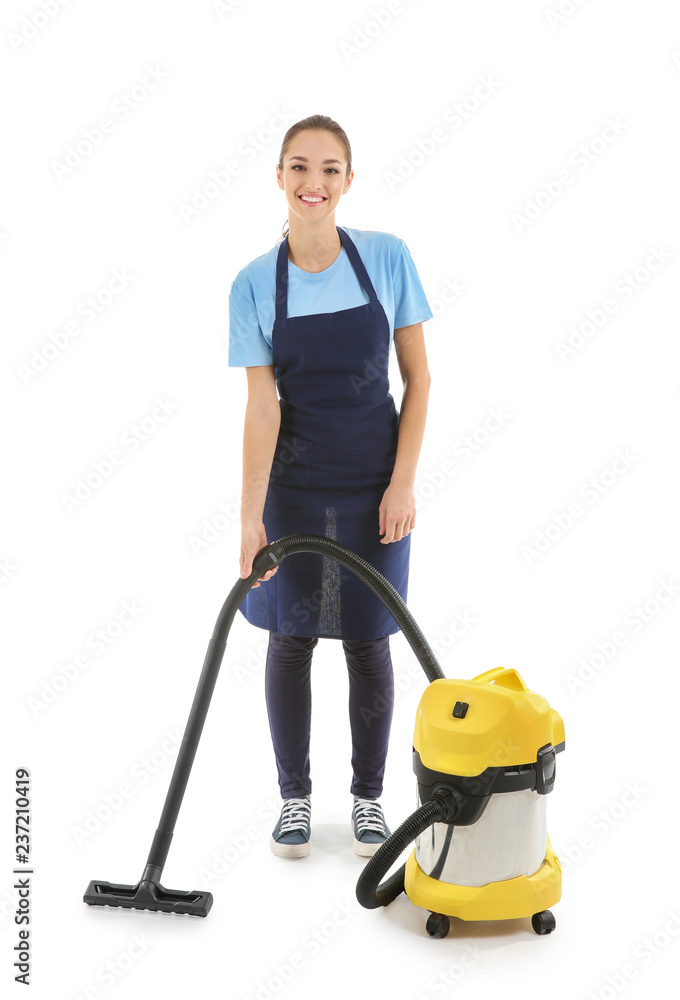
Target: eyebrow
(307, 161)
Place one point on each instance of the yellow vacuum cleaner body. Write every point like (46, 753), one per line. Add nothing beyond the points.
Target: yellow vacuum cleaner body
(490, 744)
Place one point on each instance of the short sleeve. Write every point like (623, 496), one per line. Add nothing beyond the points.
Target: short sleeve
(247, 344)
(410, 304)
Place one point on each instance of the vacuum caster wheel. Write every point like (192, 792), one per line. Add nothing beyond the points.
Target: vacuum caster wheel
(438, 925)
(543, 922)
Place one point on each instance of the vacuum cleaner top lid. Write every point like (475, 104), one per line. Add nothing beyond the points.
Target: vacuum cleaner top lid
(492, 720)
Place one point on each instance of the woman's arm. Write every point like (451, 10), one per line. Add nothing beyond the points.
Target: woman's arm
(397, 513)
(260, 432)
(409, 343)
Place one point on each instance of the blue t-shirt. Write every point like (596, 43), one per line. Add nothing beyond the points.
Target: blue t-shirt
(390, 267)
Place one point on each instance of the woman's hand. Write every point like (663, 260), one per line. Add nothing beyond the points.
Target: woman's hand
(397, 513)
(253, 538)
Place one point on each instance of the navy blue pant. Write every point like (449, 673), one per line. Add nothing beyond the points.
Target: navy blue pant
(288, 695)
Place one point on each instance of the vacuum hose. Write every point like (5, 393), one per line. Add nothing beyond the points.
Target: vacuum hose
(148, 893)
(275, 552)
(371, 893)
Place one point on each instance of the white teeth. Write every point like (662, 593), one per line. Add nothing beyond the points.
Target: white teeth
(313, 201)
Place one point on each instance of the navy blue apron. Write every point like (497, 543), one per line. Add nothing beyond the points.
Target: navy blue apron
(333, 461)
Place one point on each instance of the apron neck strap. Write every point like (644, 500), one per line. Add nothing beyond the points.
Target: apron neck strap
(281, 301)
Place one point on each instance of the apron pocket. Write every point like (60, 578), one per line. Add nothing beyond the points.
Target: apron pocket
(290, 475)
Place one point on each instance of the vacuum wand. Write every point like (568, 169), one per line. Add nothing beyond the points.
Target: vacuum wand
(148, 893)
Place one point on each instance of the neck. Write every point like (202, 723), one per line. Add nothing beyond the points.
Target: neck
(313, 246)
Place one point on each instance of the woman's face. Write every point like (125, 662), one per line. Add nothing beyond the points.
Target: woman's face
(314, 165)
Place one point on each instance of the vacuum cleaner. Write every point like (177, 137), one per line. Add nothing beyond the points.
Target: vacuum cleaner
(480, 823)
(484, 757)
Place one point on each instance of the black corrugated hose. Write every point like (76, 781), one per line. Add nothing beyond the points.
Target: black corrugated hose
(272, 554)
(370, 892)
(148, 893)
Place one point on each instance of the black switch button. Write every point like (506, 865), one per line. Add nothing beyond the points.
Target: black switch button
(459, 709)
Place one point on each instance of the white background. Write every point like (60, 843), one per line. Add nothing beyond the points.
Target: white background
(229, 75)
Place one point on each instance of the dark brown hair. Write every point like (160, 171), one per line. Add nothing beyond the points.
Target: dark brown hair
(323, 124)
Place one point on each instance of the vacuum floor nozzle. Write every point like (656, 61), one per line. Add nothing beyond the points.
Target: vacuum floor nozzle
(148, 895)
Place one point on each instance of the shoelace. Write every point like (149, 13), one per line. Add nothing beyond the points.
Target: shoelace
(295, 815)
(369, 816)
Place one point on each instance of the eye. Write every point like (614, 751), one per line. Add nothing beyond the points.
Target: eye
(301, 166)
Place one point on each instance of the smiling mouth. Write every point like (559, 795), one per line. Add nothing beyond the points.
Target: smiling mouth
(312, 202)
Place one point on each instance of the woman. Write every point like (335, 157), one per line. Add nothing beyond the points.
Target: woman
(329, 455)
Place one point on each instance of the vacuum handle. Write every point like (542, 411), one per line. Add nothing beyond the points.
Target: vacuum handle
(508, 678)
